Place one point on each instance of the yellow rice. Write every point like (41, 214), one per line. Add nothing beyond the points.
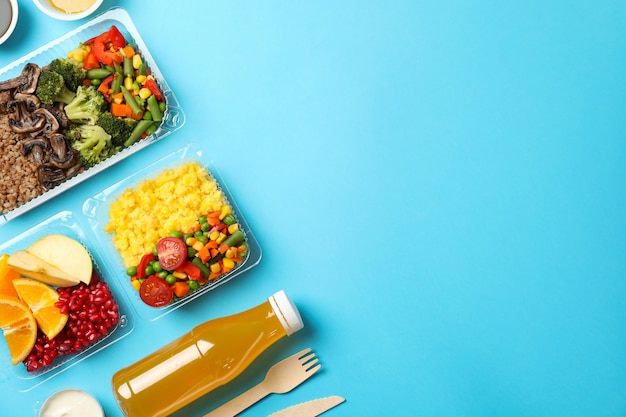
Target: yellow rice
(171, 201)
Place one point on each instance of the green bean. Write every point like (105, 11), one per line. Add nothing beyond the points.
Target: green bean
(118, 68)
(153, 106)
(202, 267)
(99, 73)
(129, 71)
(117, 83)
(234, 239)
(131, 101)
(139, 129)
(142, 68)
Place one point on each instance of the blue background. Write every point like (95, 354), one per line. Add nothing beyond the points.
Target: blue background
(438, 185)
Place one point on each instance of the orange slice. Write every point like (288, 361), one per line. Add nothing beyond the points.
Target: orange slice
(40, 298)
(19, 327)
(7, 274)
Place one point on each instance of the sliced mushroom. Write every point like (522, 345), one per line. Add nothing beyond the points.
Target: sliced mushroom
(26, 124)
(31, 101)
(39, 154)
(59, 147)
(26, 82)
(52, 124)
(59, 114)
(50, 176)
(29, 144)
(5, 98)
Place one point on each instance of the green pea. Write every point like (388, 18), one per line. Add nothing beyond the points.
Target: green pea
(205, 227)
(95, 82)
(163, 274)
(202, 219)
(156, 266)
(162, 106)
(149, 270)
(170, 279)
(198, 234)
(193, 285)
(204, 239)
(176, 233)
(154, 251)
(131, 271)
(229, 219)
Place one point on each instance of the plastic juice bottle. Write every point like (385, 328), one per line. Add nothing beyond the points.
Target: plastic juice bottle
(207, 357)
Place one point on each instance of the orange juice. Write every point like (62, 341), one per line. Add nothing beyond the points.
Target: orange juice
(209, 356)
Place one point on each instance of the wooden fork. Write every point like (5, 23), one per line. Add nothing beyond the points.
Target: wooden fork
(280, 378)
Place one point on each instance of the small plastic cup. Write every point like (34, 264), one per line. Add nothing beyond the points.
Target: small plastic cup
(47, 7)
(8, 18)
(71, 402)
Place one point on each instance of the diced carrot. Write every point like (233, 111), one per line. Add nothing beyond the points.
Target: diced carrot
(104, 89)
(211, 244)
(214, 253)
(223, 248)
(119, 109)
(214, 275)
(204, 254)
(180, 288)
(118, 98)
(128, 51)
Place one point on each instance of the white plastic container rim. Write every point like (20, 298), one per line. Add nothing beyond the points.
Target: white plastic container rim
(286, 312)
(14, 15)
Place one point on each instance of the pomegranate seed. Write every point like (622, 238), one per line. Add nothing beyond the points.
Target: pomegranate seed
(92, 314)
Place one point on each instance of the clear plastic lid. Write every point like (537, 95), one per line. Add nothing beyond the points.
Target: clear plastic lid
(286, 312)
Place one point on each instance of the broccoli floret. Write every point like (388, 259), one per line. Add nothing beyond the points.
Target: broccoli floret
(87, 106)
(51, 88)
(92, 142)
(72, 72)
(119, 128)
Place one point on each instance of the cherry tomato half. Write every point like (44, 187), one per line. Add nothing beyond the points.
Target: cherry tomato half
(172, 252)
(155, 292)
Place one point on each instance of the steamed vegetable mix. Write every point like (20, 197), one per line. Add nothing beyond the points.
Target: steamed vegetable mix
(185, 261)
(118, 71)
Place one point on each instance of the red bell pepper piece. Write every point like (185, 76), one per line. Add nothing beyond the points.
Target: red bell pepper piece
(106, 46)
(151, 85)
(91, 61)
(192, 271)
(143, 264)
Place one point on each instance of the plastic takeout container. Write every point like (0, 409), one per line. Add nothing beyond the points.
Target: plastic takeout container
(9, 13)
(174, 117)
(72, 225)
(96, 209)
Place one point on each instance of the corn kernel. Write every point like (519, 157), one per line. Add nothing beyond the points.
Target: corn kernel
(228, 263)
(221, 237)
(136, 61)
(190, 241)
(214, 235)
(233, 228)
(215, 267)
(198, 245)
(224, 212)
(136, 284)
(231, 253)
(144, 93)
(128, 83)
(141, 79)
(179, 275)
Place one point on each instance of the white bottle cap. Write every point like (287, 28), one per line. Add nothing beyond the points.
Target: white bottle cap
(286, 312)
